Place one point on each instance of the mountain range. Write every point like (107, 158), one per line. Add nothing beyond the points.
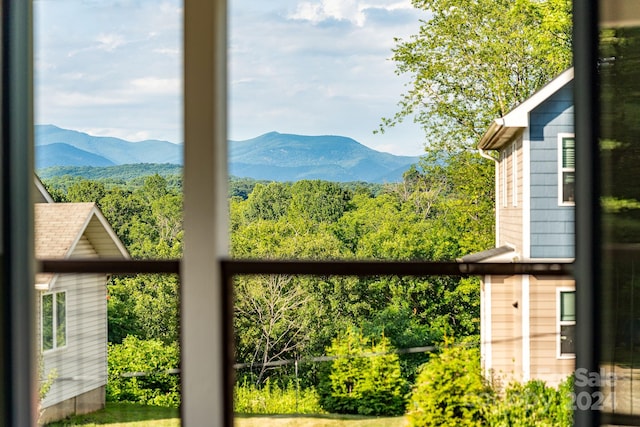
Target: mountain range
(273, 156)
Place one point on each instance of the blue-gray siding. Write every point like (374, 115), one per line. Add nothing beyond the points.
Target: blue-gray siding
(552, 226)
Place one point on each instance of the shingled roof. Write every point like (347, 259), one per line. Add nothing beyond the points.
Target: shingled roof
(59, 226)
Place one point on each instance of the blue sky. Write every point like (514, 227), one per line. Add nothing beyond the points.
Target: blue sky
(309, 67)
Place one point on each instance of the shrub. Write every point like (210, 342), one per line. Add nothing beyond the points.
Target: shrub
(272, 399)
(150, 356)
(365, 377)
(450, 391)
(534, 404)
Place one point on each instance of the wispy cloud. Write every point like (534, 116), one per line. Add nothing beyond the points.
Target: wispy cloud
(354, 11)
(158, 86)
(301, 66)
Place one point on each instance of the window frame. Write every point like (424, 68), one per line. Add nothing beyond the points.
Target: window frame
(203, 36)
(560, 322)
(54, 321)
(562, 169)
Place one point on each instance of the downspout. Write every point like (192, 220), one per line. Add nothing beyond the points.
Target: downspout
(486, 333)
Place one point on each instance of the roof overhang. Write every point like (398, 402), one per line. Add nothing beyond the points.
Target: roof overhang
(500, 254)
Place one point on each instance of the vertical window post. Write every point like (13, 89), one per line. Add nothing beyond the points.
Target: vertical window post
(207, 399)
(17, 345)
(587, 264)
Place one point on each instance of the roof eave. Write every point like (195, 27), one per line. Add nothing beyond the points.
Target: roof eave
(498, 135)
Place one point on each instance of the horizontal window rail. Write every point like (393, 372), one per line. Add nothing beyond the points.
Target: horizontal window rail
(307, 267)
(107, 266)
(391, 268)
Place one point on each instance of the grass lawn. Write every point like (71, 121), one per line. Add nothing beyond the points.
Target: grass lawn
(126, 415)
(131, 415)
(317, 421)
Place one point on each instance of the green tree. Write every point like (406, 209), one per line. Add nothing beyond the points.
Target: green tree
(158, 387)
(269, 202)
(86, 191)
(450, 391)
(319, 201)
(473, 61)
(533, 404)
(144, 306)
(365, 377)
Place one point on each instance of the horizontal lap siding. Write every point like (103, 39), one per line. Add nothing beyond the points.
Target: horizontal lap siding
(82, 365)
(510, 215)
(545, 364)
(506, 328)
(552, 226)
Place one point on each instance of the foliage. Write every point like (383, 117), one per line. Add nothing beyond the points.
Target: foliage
(365, 377)
(273, 399)
(144, 306)
(152, 357)
(120, 173)
(534, 404)
(450, 390)
(473, 61)
(274, 314)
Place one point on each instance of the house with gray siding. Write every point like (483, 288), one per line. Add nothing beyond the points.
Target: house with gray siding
(72, 308)
(527, 322)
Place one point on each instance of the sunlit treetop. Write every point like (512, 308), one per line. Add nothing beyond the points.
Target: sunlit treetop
(473, 61)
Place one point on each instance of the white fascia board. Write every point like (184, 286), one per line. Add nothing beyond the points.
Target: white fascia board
(95, 212)
(109, 230)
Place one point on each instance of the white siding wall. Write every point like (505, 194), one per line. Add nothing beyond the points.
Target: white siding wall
(82, 365)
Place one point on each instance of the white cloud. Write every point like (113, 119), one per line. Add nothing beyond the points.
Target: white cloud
(324, 72)
(341, 10)
(155, 85)
(353, 11)
(109, 42)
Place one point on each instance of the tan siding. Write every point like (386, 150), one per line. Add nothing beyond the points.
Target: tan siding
(545, 364)
(506, 327)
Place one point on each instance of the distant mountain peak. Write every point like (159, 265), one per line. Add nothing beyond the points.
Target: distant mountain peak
(272, 156)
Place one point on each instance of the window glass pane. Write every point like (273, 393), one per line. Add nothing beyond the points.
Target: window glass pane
(567, 335)
(567, 306)
(619, 73)
(47, 322)
(568, 153)
(568, 186)
(61, 320)
(108, 135)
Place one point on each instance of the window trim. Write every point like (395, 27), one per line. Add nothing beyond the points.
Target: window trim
(54, 321)
(560, 323)
(562, 169)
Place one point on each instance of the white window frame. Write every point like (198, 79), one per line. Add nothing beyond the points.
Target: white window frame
(562, 170)
(54, 321)
(560, 323)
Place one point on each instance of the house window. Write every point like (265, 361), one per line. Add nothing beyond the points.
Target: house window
(54, 320)
(566, 323)
(567, 172)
